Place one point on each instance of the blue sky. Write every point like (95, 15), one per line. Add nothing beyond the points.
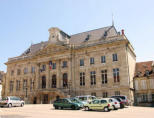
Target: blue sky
(23, 22)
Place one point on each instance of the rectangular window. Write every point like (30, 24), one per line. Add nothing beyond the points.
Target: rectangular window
(43, 67)
(152, 97)
(81, 62)
(12, 72)
(18, 85)
(64, 64)
(93, 94)
(11, 86)
(144, 97)
(92, 61)
(53, 65)
(82, 79)
(116, 75)
(18, 72)
(117, 92)
(25, 70)
(103, 59)
(104, 76)
(93, 77)
(105, 94)
(115, 57)
(33, 69)
(31, 85)
(24, 84)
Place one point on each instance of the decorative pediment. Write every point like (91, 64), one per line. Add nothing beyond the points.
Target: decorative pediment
(50, 49)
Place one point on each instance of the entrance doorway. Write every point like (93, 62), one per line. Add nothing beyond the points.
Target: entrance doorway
(35, 100)
(45, 99)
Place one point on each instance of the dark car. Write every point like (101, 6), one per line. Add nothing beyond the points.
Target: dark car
(124, 98)
(66, 103)
(122, 104)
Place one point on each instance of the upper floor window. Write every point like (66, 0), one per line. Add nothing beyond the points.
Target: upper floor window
(33, 69)
(54, 66)
(17, 85)
(82, 79)
(81, 62)
(24, 84)
(25, 70)
(43, 67)
(11, 86)
(103, 59)
(18, 72)
(116, 75)
(92, 61)
(64, 64)
(31, 85)
(93, 77)
(115, 57)
(104, 76)
(12, 72)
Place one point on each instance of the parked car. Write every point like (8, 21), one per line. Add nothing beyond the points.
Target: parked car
(98, 104)
(75, 100)
(124, 98)
(86, 98)
(66, 103)
(122, 104)
(115, 103)
(11, 101)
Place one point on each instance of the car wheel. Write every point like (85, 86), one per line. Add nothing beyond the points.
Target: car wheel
(60, 108)
(73, 107)
(22, 104)
(9, 105)
(86, 108)
(106, 109)
(114, 107)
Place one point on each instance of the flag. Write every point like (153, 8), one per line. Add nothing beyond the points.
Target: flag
(50, 65)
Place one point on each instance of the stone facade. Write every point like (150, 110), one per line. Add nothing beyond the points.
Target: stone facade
(2, 83)
(144, 84)
(100, 62)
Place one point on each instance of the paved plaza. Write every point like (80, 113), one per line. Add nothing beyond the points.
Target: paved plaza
(47, 111)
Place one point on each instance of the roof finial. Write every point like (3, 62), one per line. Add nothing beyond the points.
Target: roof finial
(112, 20)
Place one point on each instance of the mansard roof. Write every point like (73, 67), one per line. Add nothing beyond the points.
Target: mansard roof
(79, 39)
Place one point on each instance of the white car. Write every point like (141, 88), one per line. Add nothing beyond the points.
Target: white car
(115, 103)
(11, 101)
(86, 98)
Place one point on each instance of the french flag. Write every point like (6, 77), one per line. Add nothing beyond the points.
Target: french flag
(50, 65)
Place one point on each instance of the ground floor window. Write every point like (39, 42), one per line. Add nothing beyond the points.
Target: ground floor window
(93, 94)
(105, 94)
(117, 92)
(65, 80)
(54, 81)
(144, 98)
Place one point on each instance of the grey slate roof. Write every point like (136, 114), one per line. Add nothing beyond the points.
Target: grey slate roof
(80, 38)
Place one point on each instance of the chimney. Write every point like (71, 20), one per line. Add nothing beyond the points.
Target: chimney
(122, 32)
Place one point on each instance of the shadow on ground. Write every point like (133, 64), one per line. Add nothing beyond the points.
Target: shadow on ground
(13, 116)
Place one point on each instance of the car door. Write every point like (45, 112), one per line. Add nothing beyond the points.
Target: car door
(18, 101)
(94, 105)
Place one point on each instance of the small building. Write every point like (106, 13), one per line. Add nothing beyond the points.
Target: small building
(144, 84)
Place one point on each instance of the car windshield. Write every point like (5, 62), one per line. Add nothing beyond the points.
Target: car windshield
(83, 98)
(122, 97)
(75, 100)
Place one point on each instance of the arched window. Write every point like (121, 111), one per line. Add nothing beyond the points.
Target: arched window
(43, 82)
(65, 80)
(53, 84)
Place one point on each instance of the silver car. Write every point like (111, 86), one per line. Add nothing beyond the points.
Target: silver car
(11, 101)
